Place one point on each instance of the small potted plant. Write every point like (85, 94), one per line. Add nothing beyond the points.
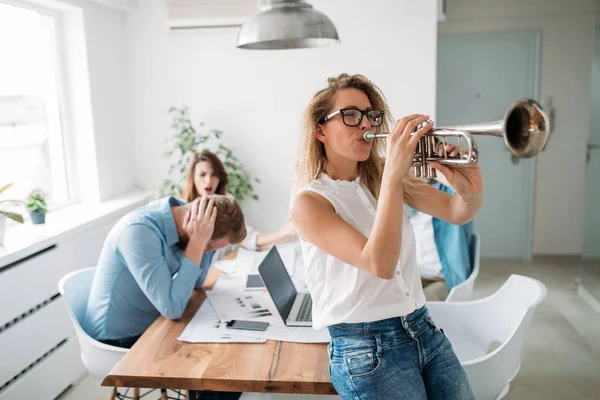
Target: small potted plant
(37, 207)
(5, 214)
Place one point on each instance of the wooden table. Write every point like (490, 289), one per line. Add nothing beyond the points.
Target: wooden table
(159, 360)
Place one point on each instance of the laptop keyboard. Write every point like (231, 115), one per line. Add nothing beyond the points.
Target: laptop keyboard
(305, 313)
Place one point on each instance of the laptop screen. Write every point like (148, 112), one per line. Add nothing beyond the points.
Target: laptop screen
(278, 282)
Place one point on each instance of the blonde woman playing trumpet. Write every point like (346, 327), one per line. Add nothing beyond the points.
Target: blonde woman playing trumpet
(359, 247)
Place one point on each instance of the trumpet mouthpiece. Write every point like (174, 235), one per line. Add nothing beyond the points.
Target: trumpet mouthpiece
(369, 136)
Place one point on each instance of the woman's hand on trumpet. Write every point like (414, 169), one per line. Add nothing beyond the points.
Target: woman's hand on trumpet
(402, 143)
(467, 182)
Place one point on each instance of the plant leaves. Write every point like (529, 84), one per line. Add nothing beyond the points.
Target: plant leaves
(3, 188)
(186, 141)
(14, 202)
(12, 215)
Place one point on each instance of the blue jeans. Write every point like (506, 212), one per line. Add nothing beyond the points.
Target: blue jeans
(395, 359)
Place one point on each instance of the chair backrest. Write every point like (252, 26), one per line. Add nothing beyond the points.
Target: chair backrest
(75, 288)
(464, 290)
(488, 334)
(98, 358)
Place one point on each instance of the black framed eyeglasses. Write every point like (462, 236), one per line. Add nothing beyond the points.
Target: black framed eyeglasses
(354, 116)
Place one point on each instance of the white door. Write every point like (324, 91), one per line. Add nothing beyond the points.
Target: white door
(479, 76)
(591, 234)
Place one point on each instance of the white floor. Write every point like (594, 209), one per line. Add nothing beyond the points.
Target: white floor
(561, 356)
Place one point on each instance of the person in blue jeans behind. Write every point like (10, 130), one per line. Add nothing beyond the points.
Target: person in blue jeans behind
(152, 260)
(359, 248)
(443, 249)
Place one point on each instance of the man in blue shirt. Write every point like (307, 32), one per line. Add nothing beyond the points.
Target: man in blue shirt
(443, 249)
(153, 259)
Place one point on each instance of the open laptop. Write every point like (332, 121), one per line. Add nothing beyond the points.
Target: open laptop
(295, 308)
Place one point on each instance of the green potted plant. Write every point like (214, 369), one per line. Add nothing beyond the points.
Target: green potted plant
(188, 140)
(5, 214)
(37, 207)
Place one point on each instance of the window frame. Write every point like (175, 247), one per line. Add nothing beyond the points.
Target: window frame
(67, 141)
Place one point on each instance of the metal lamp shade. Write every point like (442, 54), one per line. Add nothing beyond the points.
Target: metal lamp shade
(287, 24)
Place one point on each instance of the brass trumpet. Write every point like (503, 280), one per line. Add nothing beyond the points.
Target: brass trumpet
(524, 129)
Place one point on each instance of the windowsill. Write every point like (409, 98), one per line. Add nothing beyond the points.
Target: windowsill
(25, 239)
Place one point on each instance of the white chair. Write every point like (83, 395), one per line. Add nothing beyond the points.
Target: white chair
(488, 334)
(98, 358)
(464, 290)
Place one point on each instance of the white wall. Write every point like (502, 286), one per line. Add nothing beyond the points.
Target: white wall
(108, 60)
(257, 97)
(567, 35)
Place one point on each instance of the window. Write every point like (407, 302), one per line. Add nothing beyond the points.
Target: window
(32, 152)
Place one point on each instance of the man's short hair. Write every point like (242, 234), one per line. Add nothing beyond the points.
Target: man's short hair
(230, 221)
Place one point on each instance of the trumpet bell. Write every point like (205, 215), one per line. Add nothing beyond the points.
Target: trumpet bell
(526, 128)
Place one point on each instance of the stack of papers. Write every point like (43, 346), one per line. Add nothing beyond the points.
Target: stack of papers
(229, 300)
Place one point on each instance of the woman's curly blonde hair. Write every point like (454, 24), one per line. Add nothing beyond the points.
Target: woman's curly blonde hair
(312, 159)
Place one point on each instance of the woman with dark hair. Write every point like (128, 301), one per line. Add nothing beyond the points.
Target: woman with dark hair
(206, 176)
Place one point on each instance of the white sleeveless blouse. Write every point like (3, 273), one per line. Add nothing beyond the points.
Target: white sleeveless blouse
(344, 293)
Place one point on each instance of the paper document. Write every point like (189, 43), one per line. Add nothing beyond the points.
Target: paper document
(227, 301)
(231, 301)
(205, 327)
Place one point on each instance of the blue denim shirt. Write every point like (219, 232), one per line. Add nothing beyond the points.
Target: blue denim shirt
(453, 243)
(141, 274)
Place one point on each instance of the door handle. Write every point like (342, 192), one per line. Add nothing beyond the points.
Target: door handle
(588, 154)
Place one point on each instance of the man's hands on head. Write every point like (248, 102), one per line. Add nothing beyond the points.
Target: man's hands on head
(199, 225)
